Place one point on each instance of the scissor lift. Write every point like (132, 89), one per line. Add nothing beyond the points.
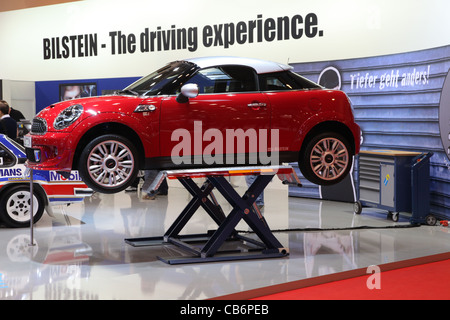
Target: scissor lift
(225, 243)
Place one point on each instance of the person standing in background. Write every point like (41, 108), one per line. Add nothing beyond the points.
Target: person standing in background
(8, 125)
(16, 114)
(13, 113)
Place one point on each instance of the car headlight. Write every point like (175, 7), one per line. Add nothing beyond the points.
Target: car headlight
(68, 116)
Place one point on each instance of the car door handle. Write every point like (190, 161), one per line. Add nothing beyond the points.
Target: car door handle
(256, 105)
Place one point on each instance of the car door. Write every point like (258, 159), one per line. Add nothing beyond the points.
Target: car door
(224, 123)
(291, 104)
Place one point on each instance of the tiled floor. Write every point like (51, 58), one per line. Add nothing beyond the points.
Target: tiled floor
(81, 253)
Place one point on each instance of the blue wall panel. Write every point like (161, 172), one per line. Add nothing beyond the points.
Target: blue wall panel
(403, 115)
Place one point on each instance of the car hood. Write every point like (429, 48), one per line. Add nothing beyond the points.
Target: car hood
(114, 103)
(92, 106)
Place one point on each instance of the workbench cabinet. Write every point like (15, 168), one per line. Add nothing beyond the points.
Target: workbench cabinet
(385, 181)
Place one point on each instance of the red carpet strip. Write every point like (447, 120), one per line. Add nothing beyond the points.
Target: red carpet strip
(422, 278)
(430, 281)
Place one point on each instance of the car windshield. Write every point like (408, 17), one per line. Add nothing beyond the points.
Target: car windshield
(162, 81)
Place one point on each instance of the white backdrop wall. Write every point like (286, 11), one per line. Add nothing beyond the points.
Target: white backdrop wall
(79, 40)
(20, 95)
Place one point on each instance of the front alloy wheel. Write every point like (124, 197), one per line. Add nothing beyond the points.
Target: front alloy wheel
(326, 159)
(108, 164)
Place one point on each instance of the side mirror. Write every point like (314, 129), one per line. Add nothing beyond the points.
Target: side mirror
(189, 90)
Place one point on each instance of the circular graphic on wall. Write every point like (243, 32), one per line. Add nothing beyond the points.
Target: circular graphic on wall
(330, 78)
(444, 115)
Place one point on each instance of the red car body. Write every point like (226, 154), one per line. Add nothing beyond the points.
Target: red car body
(144, 122)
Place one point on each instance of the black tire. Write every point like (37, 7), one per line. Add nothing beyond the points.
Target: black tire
(109, 164)
(15, 207)
(357, 207)
(326, 159)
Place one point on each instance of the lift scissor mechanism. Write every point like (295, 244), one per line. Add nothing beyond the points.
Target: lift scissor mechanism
(224, 243)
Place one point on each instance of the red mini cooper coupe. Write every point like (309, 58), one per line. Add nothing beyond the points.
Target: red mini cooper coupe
(201, 112)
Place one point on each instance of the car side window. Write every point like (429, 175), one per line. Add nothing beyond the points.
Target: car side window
(6, 158)
(277, 83)
(225, 79)
(282, 81)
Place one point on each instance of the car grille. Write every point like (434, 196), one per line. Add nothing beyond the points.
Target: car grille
(38, 126)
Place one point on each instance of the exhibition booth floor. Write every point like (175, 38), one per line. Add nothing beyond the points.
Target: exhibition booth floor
(81, 252)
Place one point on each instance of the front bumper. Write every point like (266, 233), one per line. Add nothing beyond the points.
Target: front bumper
(52, 151)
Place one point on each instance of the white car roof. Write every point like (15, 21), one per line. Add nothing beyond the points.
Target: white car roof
(261, 66)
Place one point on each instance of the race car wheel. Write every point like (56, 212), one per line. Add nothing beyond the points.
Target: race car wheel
(326, 159)
(108, 164)
(15, 207)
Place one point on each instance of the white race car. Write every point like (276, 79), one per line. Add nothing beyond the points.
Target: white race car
(49, 188)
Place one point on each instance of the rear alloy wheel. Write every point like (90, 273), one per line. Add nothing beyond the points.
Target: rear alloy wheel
(326, 159)
(108, 164)
(15, 207)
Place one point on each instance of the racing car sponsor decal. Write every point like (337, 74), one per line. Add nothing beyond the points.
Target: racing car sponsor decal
(12, 172)
(55, 176)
